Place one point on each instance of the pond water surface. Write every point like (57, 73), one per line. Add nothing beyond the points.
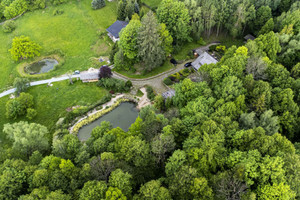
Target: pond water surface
(42, 66)
(122, 116)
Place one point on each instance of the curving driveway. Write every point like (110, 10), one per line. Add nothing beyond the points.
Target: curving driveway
(155, 81)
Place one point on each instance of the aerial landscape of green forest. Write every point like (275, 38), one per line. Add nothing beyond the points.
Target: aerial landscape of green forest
(150, 99)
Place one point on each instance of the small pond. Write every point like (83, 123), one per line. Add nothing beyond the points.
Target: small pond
(41, 66)
(122, 116)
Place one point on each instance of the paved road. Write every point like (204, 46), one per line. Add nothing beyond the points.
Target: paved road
(8, 92)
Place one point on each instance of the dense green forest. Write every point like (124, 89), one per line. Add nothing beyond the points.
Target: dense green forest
(234, 135)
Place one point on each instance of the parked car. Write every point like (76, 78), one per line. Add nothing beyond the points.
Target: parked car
(77, 72)
(173, 61)
(188, 64)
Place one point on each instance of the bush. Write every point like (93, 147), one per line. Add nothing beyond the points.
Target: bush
(16, 8)
(212, 47)
(97, 4)
(9, 26)
(58, 12)
(105, 72)
(114, 84)
(57, 2)
(150, 93)
(21, 85)
(18, 107)
(168, 81)
(23, 48)
(31, 113)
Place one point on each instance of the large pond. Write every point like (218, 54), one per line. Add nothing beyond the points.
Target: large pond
(41, 66)
(122, 116)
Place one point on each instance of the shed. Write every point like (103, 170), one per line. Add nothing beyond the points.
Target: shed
(168, 94)
(202, 59)
(249, 37)
(115, 29)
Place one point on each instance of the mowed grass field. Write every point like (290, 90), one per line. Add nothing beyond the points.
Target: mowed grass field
(51, 103)
(75, 34)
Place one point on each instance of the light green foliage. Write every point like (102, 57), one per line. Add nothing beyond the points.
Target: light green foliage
(175, 162)
(23, 48)
(135, 128)
(122, 181)
(269, 43)
(114, 193)
(230, 88)
(135, 151)
(276, 191)
(269, 26)
(159, 102)
(188, 90)
(153, 190)
(150, 49)
(31, 113)
(201, 190)
(93, 190)
(296, 71)
(27, 138)
(166, 39)
(128, 39)
(161, 145)
(58, 195)
(176, 17)
(9, 26)
(67, 168)
(16, 8)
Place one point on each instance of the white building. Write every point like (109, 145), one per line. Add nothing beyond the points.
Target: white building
(203, 58)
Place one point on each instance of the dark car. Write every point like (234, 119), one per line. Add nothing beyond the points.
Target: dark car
(173, 61)
(188, 64)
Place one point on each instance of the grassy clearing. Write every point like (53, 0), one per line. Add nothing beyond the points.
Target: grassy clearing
(74, 34)
(51, 102)
(165, 67)
(139, 93)
(185, 50)
(152, 3)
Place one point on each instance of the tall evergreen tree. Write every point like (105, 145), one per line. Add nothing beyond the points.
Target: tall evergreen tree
(149, 43)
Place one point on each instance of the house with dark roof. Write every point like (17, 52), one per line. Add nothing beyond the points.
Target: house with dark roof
(203, 58)
(249, 37)
(115, 29)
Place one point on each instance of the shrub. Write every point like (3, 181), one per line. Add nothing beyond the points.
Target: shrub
(114, 84)
(31, 113)
(150, 93)
(21, 85)
(58, 12)
(168, 81)
(18, 106)
(97, 4)
(128, 84)
(9, 26)
(212, 47)
(105, 72)
(16, 8)
(57, 2)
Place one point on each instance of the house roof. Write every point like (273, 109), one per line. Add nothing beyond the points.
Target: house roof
(116, 27)
(202, 59)
(168, 94)
(89, 76)
(249, 37)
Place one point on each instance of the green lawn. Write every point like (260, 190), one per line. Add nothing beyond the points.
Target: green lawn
(184, 50)
(51, 102)
(152, 3)
(165, 67)
(75, 34)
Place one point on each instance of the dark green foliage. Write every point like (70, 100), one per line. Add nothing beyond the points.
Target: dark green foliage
(115, 85)
(150, 93)
(58, 12)
(19, 106)
(97, 4)
(168, 81)
(21, 85)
